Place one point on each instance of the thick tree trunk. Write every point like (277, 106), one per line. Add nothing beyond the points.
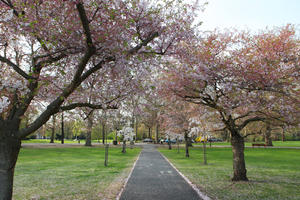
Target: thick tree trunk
(268, 139)
(52, 129)
(239, 166)
(187, 154)
(9, 151)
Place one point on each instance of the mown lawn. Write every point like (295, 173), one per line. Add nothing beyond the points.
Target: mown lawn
(67, 141)
(248, 144)
(273, 173)
(71, 173)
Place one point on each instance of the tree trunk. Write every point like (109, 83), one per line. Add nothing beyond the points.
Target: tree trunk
(124, 147)
(268, 139)
(106, 155)
(103, 132)
(239, 166)
(204, 153)
(156, 133)
(62, 129)
(149, 133)
(88, 141)
(186, 145)
(169, 143)
(282, 134)
(9, 151)
(136, 128)
(53, 129)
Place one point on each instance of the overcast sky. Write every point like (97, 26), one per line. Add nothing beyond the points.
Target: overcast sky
(250, 14)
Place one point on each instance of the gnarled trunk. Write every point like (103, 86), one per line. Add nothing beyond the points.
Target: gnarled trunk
(9, 151)
(239, 166)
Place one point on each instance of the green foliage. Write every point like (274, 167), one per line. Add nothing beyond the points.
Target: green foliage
(273, 173)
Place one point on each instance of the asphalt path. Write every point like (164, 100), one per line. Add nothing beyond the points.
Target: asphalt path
(153, 178)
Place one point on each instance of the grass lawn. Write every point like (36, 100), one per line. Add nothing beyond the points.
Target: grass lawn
(71, 173)
(67, 141)
(273, 173)
(248, 144)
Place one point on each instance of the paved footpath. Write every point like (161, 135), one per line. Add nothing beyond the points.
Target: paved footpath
(153, 178)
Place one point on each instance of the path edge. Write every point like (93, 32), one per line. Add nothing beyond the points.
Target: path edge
(201, 195)
(126, 181)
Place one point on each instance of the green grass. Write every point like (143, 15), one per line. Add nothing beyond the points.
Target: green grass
(275, 143)
(67, 141)
(273, 173)
(71, 173)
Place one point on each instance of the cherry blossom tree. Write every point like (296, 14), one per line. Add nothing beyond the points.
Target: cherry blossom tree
(73, 39)
(127, 133)
(238, 75)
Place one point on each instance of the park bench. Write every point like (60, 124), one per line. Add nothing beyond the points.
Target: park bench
(258, 144)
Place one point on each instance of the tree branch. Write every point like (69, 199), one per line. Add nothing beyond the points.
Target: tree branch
(144, 43)
(87, 105)
(16, 68)
(85, 24)
(246, 122)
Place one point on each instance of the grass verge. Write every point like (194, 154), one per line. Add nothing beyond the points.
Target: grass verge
(71, 173)
(273, 173)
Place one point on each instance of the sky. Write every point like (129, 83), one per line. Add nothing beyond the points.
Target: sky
(252, 15)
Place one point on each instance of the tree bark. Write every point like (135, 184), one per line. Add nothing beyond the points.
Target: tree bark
(187, 154)
(169, 143)
(149, 133)
(9, 151)
(136, 128)
(282, 134)
(52, 129)
(239, 165)
(268, 139)
(103, 132)
(204, 153)
(62, 129)
(156, 133)
(88, 141)
(124, 147)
